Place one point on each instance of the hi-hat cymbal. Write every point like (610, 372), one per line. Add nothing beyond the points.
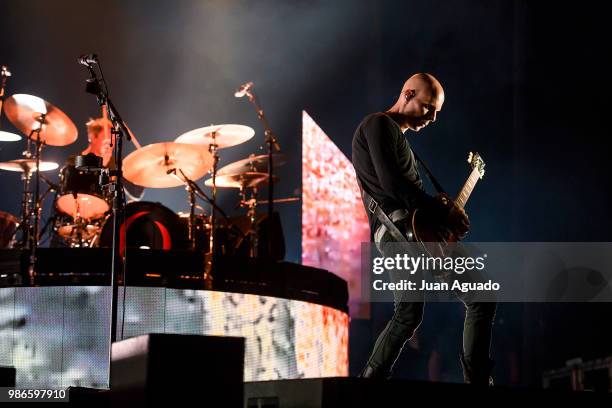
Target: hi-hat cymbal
(252, 164)
(25, 112)
(153, 165)
(9, 137)
(249, 179)
(221, 135)
(27, 165)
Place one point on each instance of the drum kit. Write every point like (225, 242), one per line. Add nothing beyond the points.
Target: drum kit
(82, 205)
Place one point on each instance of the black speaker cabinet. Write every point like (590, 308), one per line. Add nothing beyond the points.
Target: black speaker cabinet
(7, 376)
(193, 370)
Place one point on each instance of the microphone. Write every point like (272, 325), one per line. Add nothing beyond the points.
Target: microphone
(243, 90)
(88, 59)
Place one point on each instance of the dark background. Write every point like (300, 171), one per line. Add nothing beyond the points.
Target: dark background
(527, 85)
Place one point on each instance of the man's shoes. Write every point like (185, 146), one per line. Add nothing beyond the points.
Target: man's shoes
(374, 373)
(477, 373)
(367, 372)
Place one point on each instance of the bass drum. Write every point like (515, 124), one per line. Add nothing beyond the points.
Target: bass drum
(147, 225)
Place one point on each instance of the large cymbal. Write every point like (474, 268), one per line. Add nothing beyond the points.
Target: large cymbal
(150, 166)
(9, 137)
(24, 111)
(224, 135)
(248, 179)
(27, 165)
(252, 164)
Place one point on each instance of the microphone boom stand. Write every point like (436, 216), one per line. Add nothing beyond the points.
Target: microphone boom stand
(116, 188)
(272, 145)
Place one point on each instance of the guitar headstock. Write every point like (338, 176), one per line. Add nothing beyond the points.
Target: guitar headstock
(476, 162)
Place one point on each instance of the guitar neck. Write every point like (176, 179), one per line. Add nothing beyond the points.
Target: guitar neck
(467, 189)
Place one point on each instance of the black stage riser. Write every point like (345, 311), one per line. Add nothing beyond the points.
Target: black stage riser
(358, 392)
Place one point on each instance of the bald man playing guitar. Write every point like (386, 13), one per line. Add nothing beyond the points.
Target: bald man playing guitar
(388, 176)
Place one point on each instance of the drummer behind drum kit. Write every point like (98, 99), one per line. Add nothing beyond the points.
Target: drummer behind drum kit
(83, 206)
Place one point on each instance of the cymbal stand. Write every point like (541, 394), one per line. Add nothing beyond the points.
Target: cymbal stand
(251, 205)
(213, 149)
(35, 207)
(192, 225)
(51, 187)
(24, 224)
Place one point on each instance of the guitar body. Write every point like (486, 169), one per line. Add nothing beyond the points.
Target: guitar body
(426, 235)
(428, 238)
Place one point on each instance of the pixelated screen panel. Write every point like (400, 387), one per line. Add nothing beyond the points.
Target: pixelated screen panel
(334, 222)
(58, 336)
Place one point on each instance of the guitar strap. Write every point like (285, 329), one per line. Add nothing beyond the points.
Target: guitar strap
(429, 174)
(376, 210)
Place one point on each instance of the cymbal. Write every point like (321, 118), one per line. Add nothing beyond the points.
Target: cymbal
(248, 179)
(224, 135)
(252, 163)
(27, 165)
(9, 137)
(151, 165)
(24, 111)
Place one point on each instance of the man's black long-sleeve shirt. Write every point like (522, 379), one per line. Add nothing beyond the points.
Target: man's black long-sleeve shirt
(386, 167)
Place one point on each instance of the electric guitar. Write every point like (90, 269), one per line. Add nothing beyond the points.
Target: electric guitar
(425, 235)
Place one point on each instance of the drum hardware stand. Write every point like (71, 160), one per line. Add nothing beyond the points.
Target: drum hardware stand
(189, 186)
(35, 209)
(25, 202)
(253, 233)
(51, 187)
(120, 131)
(213, 149)
(194, 189)
(192, 226)
(24, 225)
(272, 145)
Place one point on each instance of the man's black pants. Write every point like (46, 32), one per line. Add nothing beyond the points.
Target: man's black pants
(477, 328)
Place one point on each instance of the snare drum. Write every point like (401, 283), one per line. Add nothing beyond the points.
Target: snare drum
(81, 195)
